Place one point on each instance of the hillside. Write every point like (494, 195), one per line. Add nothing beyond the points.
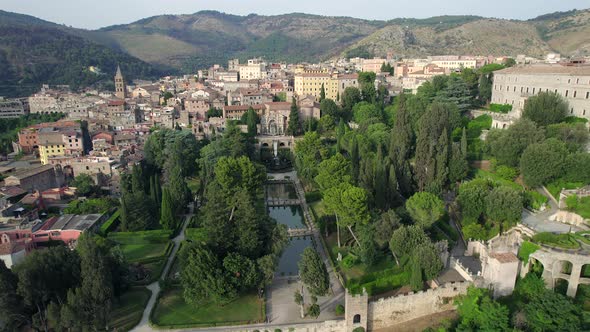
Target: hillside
(33, 52)
(203, 38)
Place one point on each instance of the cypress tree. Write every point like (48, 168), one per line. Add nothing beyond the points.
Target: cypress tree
(294, 127)
(380, 180)
(124, 214)
(355, 160)
(167, 211)
(322, 93)
(464, 143)
(400, 147)
(340, 131)
(158, 188)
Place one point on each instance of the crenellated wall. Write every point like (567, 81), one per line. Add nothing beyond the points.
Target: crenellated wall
(390, 311)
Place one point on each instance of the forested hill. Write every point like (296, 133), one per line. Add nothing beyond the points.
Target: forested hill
(33, 52)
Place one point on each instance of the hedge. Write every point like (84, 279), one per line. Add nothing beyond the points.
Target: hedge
(500, 108)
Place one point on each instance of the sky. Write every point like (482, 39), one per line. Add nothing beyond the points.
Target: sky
(93, 14)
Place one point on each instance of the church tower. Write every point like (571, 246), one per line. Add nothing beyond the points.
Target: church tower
(119, 84)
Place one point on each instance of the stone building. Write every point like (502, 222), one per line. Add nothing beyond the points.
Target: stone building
(513, 86)
(310, 83)
(13, 108)
(254, 70)
(37, 178)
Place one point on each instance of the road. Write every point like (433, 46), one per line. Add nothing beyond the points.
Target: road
(144, 324)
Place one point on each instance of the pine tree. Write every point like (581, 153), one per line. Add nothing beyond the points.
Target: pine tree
(294, 127)
(167, 211)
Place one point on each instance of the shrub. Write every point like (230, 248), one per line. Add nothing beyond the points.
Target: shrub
(348, 261)
(500, 108)
(526, 249)
(534, 199)
(313, 196)
(506, 172)
(340, 310)
(359, 329)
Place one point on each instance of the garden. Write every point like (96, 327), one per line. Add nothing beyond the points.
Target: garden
(128, 308)
(145, 251)
(172, 311)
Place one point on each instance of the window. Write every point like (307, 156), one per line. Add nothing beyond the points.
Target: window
(567, 92)
(569, 81)
(356, 319)
(533, 90)
(572, 111)
(575, 94)
(587, 95)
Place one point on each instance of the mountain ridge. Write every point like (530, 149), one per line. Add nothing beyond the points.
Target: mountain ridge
(183, 43)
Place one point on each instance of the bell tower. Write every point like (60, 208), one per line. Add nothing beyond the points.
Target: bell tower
(119, 84)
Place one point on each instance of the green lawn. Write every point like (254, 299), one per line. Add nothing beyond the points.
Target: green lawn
(581, 206)
(141, 252)
(127, 311)
(480, 173)
(172, 311)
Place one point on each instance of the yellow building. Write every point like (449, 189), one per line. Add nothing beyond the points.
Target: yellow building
(52, 150)
(310, 83)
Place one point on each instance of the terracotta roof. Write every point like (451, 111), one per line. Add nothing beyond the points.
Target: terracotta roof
(116, 102)
(279, 105)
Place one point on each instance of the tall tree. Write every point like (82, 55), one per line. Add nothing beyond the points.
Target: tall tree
(90, 304)
(546, 108)
(354, 210)
(294, 126)
(400, 147)
(251, 121)
(541, 163)
(322, 93)
(508, 145)
(333, 172)
(355, 160)
(425, 209)
(313, 272)
(11, 304)
(167, 219)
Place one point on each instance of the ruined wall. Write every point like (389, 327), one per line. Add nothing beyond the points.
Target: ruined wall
(395, 310)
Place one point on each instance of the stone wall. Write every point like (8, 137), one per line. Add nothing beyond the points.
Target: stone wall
(326, 326)
(388, 312)
(568, 217)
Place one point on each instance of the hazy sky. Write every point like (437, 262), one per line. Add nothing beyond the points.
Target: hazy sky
(99, 13)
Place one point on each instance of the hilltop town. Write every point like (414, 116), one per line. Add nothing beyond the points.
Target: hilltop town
(447, 192)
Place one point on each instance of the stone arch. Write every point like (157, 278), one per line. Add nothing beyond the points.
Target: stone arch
(561, 286)
(282, 144)
(536, 266)
(562, 267)
(265, 145)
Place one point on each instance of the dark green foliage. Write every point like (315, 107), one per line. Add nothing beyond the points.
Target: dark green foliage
(425, 209)
(546, 108)
(504, 204)
(456, 92)
(329, 107)
(350, 97)
(339, 310)
(542, 163)
(479, 312)
(472, 198)
(90, 206)
(322, 93)
(550, 311)
(294, 126)
(407, 238)
(167, 219)
(576, 168)
(367, 83)
(203, 278)
(11, 304)
(214, 113)
(432, 148)
(46, 276)
(508, 145)
(574, 135)
(251, 121)
(384, 228)
(50, 54)
(313, 272)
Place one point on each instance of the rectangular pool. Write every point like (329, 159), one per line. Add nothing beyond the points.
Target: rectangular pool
(292, 216)
(292, 255)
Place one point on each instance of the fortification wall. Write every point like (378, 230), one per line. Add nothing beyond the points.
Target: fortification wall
(388, 312)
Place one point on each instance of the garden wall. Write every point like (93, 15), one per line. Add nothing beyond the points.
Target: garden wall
(388, 312)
